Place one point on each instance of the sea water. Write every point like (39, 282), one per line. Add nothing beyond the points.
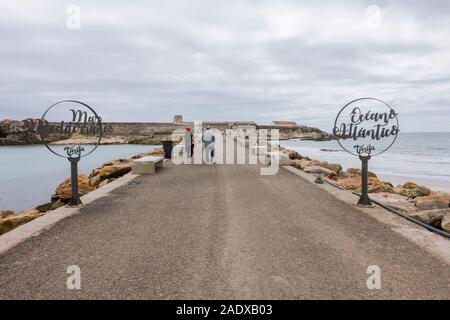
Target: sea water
(30, 174)
(418, 157)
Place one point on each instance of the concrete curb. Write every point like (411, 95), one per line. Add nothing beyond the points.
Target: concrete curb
(36, 226)
(432, 242)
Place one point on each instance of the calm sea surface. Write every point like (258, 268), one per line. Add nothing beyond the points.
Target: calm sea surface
(30, 174)
(417, 157)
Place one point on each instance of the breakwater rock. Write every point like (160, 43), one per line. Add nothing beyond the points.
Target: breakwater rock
(10, 220)
(99, 177)
(23, 132)
(416, 201)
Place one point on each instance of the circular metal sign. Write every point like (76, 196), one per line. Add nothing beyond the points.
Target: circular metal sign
(77, 124)
(366, 127)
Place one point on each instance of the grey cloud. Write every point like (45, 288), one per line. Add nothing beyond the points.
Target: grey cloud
(146, 61)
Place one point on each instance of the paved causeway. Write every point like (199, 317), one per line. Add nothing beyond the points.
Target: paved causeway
(197, 232)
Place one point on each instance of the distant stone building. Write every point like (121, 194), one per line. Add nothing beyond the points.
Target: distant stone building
(285, 123)
(178, 118)
(223, 125)
(282, 123)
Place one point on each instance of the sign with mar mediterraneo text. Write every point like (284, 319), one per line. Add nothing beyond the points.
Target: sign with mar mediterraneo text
(366, 127)
(76, 120)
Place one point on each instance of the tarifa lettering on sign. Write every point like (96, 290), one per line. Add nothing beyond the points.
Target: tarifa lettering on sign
(366, 126)
(74, 151)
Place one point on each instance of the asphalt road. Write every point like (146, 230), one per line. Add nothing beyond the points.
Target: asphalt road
(211, 232)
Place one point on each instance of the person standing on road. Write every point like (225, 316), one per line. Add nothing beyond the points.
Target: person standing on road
(188, 143)
(208, 142)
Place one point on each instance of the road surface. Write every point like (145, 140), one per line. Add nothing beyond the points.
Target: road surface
(220, 232)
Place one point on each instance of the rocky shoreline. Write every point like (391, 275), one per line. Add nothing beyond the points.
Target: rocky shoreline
(100, 176)
(24, 132)
(15, 132)
(416, 201)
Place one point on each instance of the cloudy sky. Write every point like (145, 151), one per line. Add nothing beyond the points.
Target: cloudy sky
(227, 60)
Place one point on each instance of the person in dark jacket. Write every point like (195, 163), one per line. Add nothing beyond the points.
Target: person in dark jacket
(188, 143)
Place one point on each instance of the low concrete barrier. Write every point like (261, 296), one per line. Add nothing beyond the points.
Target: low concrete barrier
(146, 165)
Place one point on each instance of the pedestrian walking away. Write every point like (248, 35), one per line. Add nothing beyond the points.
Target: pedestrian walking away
(208, 142)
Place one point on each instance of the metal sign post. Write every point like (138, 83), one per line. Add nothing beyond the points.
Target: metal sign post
(364, 200)
(366, 127)
(75, 200)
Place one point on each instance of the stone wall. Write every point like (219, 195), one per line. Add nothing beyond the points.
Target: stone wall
(15, 132)
(140, 128)
(154, 130)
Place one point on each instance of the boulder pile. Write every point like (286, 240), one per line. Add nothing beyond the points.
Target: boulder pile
(10, 220)
(419, 202)
(99, 177)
